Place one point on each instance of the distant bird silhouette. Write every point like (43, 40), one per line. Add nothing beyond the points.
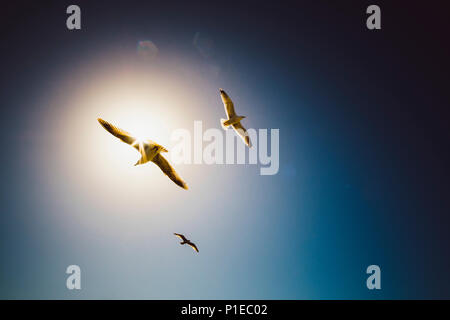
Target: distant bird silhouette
(186, 241)
(149, 150)
(233, 119)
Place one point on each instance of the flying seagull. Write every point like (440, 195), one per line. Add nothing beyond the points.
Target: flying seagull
(186, 241)
(233, 119)
(149, 150)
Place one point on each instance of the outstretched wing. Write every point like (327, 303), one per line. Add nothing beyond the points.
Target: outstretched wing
(243, 133)
(193, 246)
(228, 104)
(117, 132)
(165, 166)
(180, 236)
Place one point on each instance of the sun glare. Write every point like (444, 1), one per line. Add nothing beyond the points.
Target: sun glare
(148, 105)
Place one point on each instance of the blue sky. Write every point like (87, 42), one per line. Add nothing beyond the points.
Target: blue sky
(363, 173)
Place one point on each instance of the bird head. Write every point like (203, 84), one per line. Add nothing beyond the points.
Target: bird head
(162, 149)
(158, 147)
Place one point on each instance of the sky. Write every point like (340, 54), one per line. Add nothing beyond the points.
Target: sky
(363, 147)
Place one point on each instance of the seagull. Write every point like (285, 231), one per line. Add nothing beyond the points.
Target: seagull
(186, 241)
(233, 119)
(149, 150)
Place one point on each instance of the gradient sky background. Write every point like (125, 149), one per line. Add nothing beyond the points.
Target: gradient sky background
(364, 151)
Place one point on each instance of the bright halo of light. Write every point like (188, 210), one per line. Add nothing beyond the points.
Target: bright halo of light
(87, 160)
